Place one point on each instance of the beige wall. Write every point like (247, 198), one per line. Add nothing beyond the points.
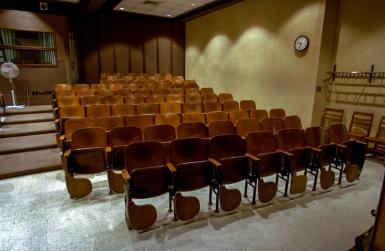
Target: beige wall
(38, 78)
(247, 49)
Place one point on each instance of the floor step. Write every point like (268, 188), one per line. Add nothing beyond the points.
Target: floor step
(17, 164)
(28, 109)
(27, 129)
(27, 118)
(27, 143)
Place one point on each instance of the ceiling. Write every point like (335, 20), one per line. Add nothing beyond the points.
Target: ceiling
(161, 8)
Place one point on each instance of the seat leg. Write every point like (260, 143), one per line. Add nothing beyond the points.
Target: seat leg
(286, 185)
(340, 177)
(254, 192)
(115, 182)
(217, 201)
(245, 193)
(315, 180)
(210, 195)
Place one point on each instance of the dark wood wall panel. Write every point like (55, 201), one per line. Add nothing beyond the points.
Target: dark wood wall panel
(124, 43)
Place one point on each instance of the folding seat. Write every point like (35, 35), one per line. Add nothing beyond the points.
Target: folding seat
(292, 121)
(107, 92)
(332, 116)
(222, 97)
(156, 98)
(258, 114)
(168, 118)
(62, 93)
(161, 133)
(85, 92)
(135, 99)
(160, 90)
(193, 117)
(71, 125)
(193, 97)
(192, 90)
(191, 84)
(230, 106)
(221, 127)
(216, 116)
(170, 108)
(141, 121)
(62, 87)
(86, 156)
(110, 100)
(109, 122)
(67, 100)
(69, 111)
(119, 138)
(123, 92)
(98, 86)
(192, 107)
(245, 126)
(192, 130)
(378, 142)
(133, 86)
(191, 171)
(271, 124)
(277, 113)
(115, 86)
(145, 176)
(234, 116)
(211, 106)
(96, 111)
(122, 109)
(360, 125)
(80, 87)
(91, 100)
(210, 97)
(318, 137)
(351, 152)
(143, 91)
(175, 98)
(293, 141)
(164, 84)
(176, 90)
(206, 90)
(248, 105)
(150, 85)
(262, 147)
(231, 165)
(148, 108)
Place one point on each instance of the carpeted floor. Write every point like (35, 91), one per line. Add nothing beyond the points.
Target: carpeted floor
(37, 214)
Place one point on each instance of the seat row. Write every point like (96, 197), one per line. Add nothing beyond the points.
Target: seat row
(139, 77)
(150, 168)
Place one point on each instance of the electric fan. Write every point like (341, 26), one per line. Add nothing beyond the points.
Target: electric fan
(10, 70)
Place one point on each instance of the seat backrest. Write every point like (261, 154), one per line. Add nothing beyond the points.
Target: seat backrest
(245, 126)
(192, 90)
(221, 127)
(124, 135)
(292, 121)
(116, 99)
(122, 109)
(98, 86)
(91, 100)
(85, 92)
(223, 97)
(271, 124)
(89, 137)
(193, 117)
(62, 93)
(277, 113)
(71, 111)
(59, 87)
(123, 92)
(115, 86)
(72, 124)
(67, 100)
(316, 136)
(216, 116)
(148, 108)
(206, 90)
(258, 114)
(144, 154)
(192, 130)
(170, 108)
(192, 107)
(141, 121)
(361, 123)
(143, 91)
(110, 122)
(160, 90)
(332, 116)
(79, 87)
(96, 111)
(188, 150)
(260, 142)
(338, 133)
(135, 99)
(248, 105)
(288, 139)
(168, 118)
(102, 92)
(162, 133)
(193, 97)
(156, 98)
(175, 98)
(234, 116)
(209, 97)
(176, 90)
(225, 146)
(230, 106)
(212, 106)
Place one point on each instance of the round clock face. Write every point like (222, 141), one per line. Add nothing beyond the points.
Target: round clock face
(301, 43)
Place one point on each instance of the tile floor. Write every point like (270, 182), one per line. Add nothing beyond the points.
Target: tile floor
(37, 214)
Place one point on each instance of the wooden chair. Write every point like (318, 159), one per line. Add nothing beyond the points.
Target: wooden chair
(193, 117)
(160, 133)
(234, 116)
(109, 122)
(80, 87)
(361, 125)
(96, 111)
(168, 118)
(170, 108)
(248, 105)
(192, 130)
(245, 126)
(122, 109)
(116, 86)
(292, 121)
(332, 116)
(85, 92)
(98, 86)
(378, 142)
(141, 121)
(192, 107)
(277, 113)
(223, 97)
(61, 87)
(69, 111)
(220, 128)
(175, 98)
(143, 91)
(258, 114)
(62, 93)
(123, 92)
(156, 98)
(191, 171)
(116, 99)
(135, 99)
(193, 97)
(271, 125)
(230, 106)
(206, 90)
(91, 100)
(67, 100)
(148, 108)
(216, 116)
(160, 90)
(145, 176)
(209, 97)
(101, 92)
(212, 106)
(176, 90)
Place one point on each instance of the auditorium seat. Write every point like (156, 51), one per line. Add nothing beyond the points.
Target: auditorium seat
(123, 92)
(192, 130)
(211, 106)
(206, 90)
(161, 133)
(193, 117)
(193, 97)
(271, 124)
(141, 121)
(258, 114)
(234, 116)
(292, 121)
(116, 99)
(277, 113)
(156, 98)
(85, 92)
(122, 109)
(209, 97)
(91, 100)
(98, 86)
(230, 106)
(248, 105)
(67, 100)
(223, 97)
(148, 108)
(216, 116)
(220, 128)
(192, 107)
(135, 99)
(170, 107)
(96, 111)
(175, 98)
(245, 126)
(168, 118)
(109, 122)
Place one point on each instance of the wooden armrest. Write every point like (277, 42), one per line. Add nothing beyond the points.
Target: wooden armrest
(215, 162)
(171, 167)
(126, 176)
(252, 157)
(360, 142)
(62, 137)
(67, 153)
(341, 146)
(108, 149)
(315, 149)
(285, 153)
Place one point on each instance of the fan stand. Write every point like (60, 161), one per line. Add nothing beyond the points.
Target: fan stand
(13, 95)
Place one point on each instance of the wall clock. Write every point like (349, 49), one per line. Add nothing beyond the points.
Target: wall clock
(301, 43)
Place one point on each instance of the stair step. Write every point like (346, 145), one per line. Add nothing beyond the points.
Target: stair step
(28, 109)
(16, 164)
(28, 118)
(27, 143)
(27, 129)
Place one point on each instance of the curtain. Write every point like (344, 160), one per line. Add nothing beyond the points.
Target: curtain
(47, 41)
(74, 56)
(8, 38)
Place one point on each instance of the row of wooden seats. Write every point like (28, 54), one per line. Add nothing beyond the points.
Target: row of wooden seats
(151, 168)
(140, 76)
